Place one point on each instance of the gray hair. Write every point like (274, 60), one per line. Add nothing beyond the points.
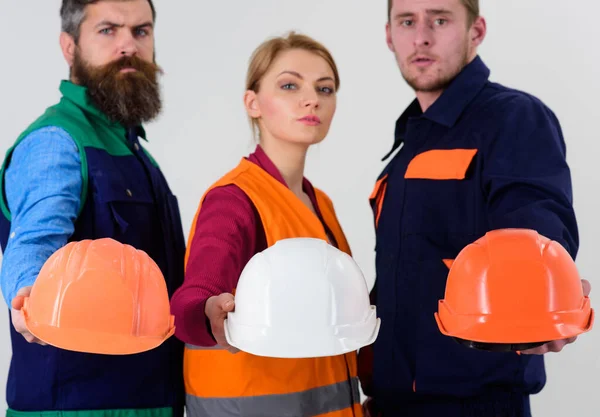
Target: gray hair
(72, 13)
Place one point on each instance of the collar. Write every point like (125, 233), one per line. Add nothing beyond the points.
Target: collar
(260, 158)
(447, 109)
(78, 95)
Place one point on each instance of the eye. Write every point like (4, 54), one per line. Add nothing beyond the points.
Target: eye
(288, 86)
(441, 22)
(406, 23)
(327, 90)
(105, 31)
(141, 32)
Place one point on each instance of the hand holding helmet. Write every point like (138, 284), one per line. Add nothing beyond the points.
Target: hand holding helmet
(216, 310)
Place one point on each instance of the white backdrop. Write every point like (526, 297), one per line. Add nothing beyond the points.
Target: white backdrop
(546, 47)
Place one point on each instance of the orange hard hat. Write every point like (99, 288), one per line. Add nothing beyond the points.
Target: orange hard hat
(100, 296)
(512, 290)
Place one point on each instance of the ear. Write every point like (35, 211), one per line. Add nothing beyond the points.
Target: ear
(478, 31)
(388, 36)
(251, 104)
(68, 46)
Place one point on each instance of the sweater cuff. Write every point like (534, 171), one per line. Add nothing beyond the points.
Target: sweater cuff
(196, 330)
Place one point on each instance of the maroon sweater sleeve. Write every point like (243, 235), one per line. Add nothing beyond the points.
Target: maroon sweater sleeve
(228, 232)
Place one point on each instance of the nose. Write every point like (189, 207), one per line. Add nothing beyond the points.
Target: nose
(127, 44)
(424, 36)
(310, 99)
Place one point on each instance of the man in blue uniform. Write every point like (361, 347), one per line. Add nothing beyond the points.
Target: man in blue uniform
(469, 156)
(79, 172)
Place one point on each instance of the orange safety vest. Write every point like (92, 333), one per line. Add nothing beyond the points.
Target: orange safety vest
(222, 384)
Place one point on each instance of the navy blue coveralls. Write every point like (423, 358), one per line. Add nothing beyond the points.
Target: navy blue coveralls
(505, 167)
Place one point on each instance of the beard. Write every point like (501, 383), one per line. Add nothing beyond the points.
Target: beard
(442, 79)
(129, 98)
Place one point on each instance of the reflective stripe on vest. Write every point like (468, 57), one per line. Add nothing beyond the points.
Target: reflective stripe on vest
(314, 402)
(219, 383)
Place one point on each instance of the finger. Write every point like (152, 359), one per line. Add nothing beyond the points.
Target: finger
(587, 287)
(17, 302)
(219, 334)
(24, 291)
(18, 321)
(227, 302)
(556, 346)
(218, 330)
(218, 306)
(540, 350)
(32, 339)
(559, 345)
(229, 306)
(28, 336)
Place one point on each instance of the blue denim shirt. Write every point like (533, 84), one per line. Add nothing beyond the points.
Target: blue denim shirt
(43, 190)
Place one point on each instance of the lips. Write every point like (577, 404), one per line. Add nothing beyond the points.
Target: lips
(422, 60)
(311, 120)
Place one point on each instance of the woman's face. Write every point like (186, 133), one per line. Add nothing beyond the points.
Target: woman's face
(296, 100)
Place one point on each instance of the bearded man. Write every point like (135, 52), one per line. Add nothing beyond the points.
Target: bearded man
(79, 172)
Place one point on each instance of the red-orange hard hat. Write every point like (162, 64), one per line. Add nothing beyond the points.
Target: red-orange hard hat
(513, 289)
(100, 296)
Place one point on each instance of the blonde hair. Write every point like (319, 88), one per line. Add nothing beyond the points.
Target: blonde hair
(265, 54)
(472, 7)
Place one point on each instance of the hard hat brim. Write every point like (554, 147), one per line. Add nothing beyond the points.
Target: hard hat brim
(498, 347)
(86, 341)
(491, 329)
(293, 345)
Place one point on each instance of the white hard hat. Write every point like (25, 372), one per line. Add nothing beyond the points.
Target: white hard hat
(301, 298)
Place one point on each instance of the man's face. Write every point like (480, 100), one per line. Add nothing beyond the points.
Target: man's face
(114, 59)
(432, 41)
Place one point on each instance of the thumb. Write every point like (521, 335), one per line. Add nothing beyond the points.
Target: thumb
(587, 287)
(19, 300)
(24, 291)
(227, 302)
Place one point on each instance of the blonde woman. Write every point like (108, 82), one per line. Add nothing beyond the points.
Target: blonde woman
(290, 98)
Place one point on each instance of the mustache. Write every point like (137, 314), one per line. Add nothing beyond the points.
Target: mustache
(146, 67)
